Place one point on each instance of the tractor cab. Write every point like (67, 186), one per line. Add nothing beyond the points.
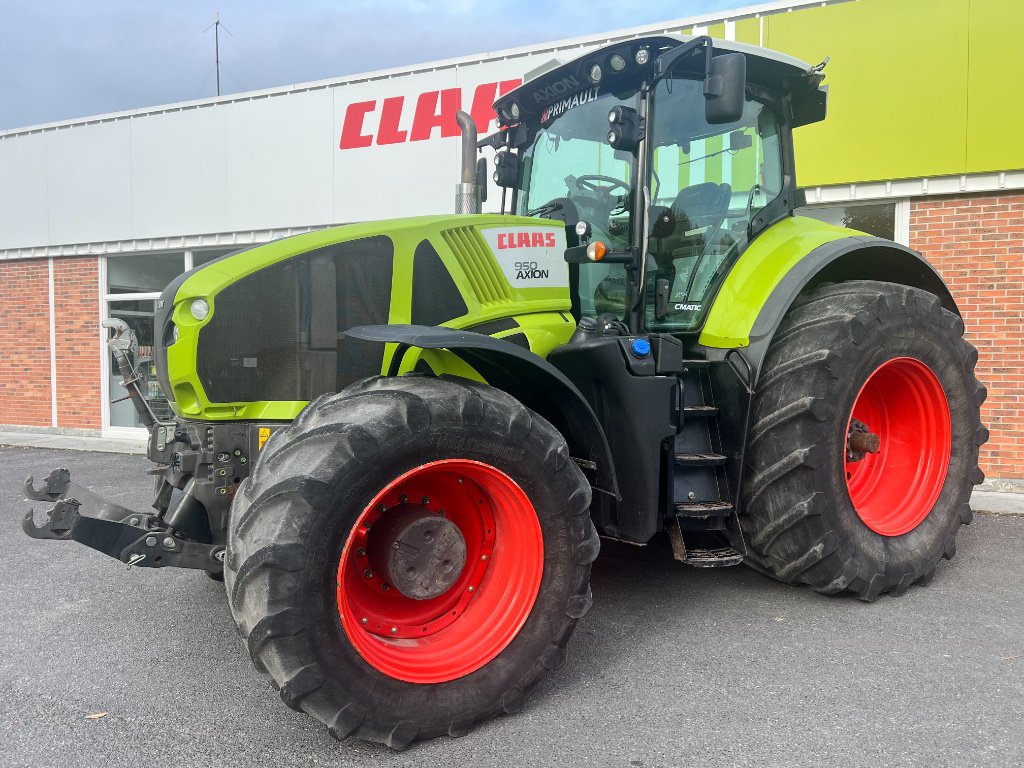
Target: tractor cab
(665, 157)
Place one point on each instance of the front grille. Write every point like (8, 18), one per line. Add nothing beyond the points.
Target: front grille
(249, 349)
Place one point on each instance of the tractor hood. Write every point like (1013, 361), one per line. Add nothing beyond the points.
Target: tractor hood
(258, 333)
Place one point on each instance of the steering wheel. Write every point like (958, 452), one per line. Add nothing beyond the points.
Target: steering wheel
(589, 183)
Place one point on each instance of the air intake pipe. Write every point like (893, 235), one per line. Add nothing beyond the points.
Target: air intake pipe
(467, 193)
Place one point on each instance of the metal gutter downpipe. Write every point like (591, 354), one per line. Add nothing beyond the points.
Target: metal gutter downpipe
(467, 195)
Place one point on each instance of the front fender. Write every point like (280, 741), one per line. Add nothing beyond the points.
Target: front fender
(530, 379)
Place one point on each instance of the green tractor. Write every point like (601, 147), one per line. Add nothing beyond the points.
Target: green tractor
(398, 441)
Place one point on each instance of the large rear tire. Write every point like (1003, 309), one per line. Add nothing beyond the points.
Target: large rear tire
(874, 512)
(409, 557)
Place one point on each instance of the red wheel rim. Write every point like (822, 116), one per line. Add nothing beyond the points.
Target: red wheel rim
(457, 632)
(895, 488)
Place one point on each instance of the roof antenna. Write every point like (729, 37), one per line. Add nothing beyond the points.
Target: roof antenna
(216, 45)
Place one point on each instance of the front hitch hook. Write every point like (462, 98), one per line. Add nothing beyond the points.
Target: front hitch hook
(54, 486)
(59, 524)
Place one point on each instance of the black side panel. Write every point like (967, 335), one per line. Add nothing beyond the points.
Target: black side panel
(638, 416)
(364, 269)
(435, 297)
(277, 334)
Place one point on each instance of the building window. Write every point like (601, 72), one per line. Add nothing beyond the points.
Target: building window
(143, 272)
(877, 219)
(133, 284)
(204, 257)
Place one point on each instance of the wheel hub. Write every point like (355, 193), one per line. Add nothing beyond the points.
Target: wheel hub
(860, 441)
(422, 553)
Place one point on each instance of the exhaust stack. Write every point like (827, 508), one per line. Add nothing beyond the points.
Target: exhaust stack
(467, 193)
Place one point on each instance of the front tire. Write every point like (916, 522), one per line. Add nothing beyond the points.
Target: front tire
(409, 557)
(874, 512)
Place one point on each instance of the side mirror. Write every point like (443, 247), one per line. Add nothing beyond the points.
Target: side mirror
(724, 88)
(506, 169)
(481, 178)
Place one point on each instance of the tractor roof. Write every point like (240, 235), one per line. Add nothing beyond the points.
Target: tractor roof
(769, 69)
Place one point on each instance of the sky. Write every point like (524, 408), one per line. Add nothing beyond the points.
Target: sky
(62, 59)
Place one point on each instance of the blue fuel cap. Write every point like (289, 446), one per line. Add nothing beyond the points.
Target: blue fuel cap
(640, 348)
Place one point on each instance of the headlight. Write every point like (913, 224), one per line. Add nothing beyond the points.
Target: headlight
(643, 56)
(200, 309)
(617, 63)
(595, 73)
(174, 334)
(513, 110)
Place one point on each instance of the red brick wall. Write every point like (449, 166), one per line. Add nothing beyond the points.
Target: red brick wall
(77, 326)
(977, 244)
(25, 343)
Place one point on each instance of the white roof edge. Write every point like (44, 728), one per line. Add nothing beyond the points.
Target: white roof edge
(665, 27)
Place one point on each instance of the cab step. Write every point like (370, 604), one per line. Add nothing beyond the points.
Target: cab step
(695, 411)
(700, 459)
(703, 508)
(713, 558)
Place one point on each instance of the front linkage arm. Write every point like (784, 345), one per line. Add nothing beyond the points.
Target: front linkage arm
(133, 538)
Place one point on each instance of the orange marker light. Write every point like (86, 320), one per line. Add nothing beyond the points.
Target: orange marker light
(596, 250)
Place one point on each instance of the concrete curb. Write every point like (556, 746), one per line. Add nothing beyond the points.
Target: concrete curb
(72, 442)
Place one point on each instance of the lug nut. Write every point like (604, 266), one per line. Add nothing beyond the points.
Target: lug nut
(484, 558)
(425, 501)
(403, 498)
(134, 521)
(384, 586)
(169, 542)
(361, 552)
(472, 588)
(368, 573)
(151, 541)
(364, 621)
(394, 630)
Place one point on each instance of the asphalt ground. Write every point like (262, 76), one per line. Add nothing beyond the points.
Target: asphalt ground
(673, 666)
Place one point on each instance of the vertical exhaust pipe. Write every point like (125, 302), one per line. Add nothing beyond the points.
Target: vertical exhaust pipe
(467, 193)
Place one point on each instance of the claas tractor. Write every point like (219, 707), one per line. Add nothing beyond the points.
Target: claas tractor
(398, 442)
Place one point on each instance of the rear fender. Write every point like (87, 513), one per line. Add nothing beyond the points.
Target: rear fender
(529, 378)
(858, 257)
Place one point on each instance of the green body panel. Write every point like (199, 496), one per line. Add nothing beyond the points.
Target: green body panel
(950, 110)
(756, 273)
(541, 313)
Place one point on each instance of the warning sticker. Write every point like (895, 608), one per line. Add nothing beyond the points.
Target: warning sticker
(264, 436)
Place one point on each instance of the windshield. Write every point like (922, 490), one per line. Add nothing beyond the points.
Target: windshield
(714, 179)
(570, 172)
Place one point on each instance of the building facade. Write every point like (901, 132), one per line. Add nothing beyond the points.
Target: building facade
(97, 215)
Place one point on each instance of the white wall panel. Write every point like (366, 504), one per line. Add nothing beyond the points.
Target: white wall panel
(278, 155)
(88, 170)
(178, 174)
(401, 179)
(23, 204)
